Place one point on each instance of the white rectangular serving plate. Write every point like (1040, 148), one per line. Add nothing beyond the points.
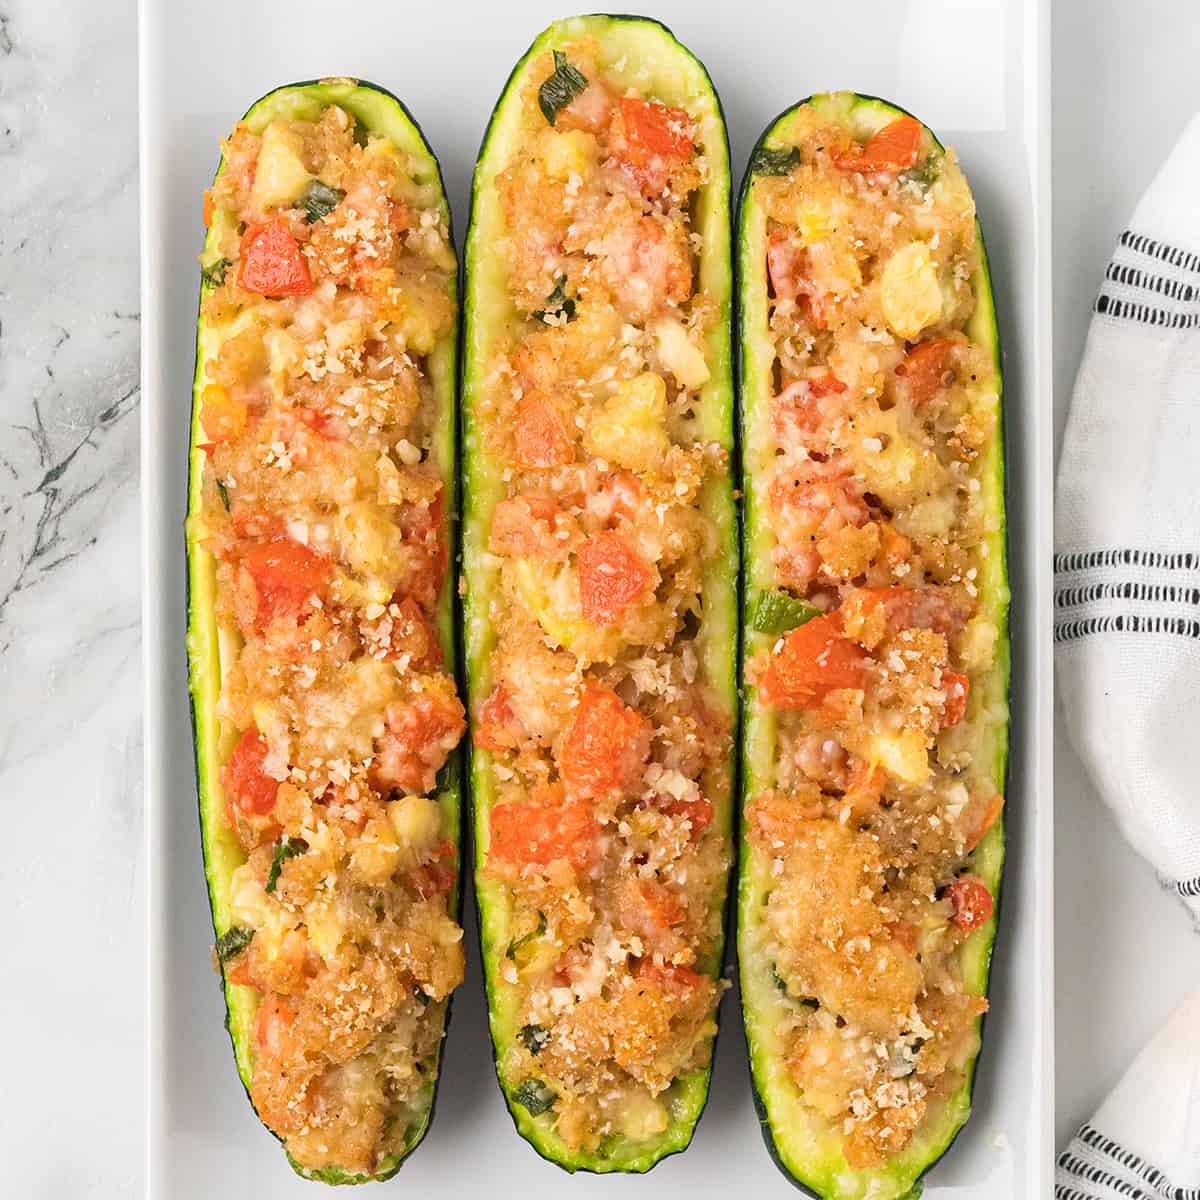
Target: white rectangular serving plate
(977, 71)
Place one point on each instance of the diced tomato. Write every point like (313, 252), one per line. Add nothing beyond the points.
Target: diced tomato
(605, 746)
(419, 735)
(814, 660)
(916, 608)
(541, 436)
(927, 368)
(668, 976)
(436, 878)
(271, 261)
(864, 789)
(892, 149)
(399, 216)
(287, 575)
(991, 814)
(249, 790)
(957, 687)
(531, 526)
(551, 827)
(656, 128)
(409, 631)
(660, 905)
(611, 577)
(972, 902)
(209, 208)
(699, 811)
(498, 728)
(904, 933)
(275, 1017)
(241, 972)
(785, 264)
(826, 385)
(222, 416)
(421, 524)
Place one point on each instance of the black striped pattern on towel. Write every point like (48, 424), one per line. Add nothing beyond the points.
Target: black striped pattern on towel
(1095, 1167)
(1125, 590)
(1151, 283)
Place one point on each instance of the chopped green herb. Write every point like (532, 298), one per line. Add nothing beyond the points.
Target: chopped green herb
(925, 174)
(223, 492)
(534, 1095)
(767, 161)
(214, 273)
(559, 89)
(419, 995)
(361, 134)
(558, 304)
(285, 848)
(533, 1038)
(233, 941)
(319, 200)
(777, 612)
(518, 943)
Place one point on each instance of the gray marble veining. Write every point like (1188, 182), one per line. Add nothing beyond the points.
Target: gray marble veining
(70, 680)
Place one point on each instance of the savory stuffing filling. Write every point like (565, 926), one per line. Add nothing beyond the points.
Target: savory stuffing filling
(323, 505)
(876, 643)
(607, 743)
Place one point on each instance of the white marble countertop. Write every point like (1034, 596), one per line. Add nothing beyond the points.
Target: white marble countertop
(70, 734)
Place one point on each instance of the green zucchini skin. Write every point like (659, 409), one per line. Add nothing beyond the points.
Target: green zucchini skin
(690, 1092)
(379, 111)
(821, 1171)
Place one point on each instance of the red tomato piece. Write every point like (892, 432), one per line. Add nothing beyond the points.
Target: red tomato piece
(287, 575)
(275, 1017)
(422, 526)
(904, 933)
(892, 149)
(826, 385)
(611, 577)
(656, 128)
(419, 736)
(991, 815)
(498, 728)
(209, 208)
(606, 745)
(668, 976)
(916, 608)
(814, 660)
(436, 878)
(972, 902)
(957, 688)
(927, 368)
(551, 827)
(271, 261)
(249, 790)
(699, 811)
(542, 437)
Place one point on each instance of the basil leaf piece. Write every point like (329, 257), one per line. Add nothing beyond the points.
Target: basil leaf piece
(285, 848)
(777, 612)
(534, 1095)
(223, 492)
(517, 943)
(766, 161)
(924, 175)
(533, 1038)
(233, 941)
(319, 200)
(558, 304)
(559, 89)
(214, 273)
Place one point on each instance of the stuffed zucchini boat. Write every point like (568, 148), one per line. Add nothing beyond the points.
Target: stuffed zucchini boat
(320, 630)
(874, 643)
(599, 555)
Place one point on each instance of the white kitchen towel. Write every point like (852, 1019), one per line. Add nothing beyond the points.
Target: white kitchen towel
(1127, 634)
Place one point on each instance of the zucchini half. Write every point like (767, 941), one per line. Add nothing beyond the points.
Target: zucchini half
(210, 650)
(654, 61)
(802, 1143)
